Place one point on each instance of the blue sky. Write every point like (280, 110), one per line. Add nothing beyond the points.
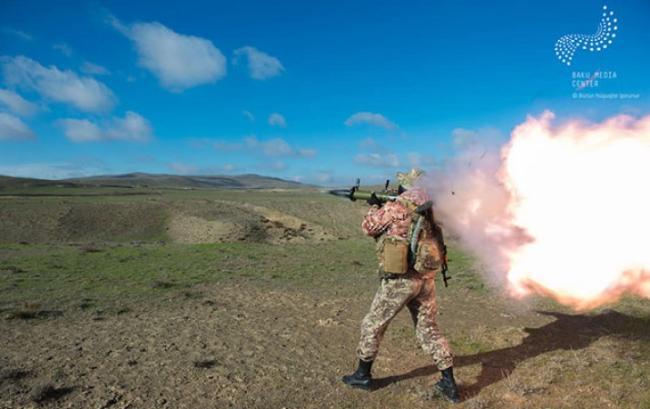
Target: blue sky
(316, 91)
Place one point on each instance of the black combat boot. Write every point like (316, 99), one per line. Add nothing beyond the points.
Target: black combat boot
(447, 386)
(361, 377)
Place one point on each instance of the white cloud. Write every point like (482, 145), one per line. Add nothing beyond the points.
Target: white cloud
(370, 118)
(62, 170)
(248, 115)
(260, 64)
(17, 33)
(182, 168)
(465, 138)
(132, 127)
(276, 119)
(273, 147)
(16, 103)
(93, 69)
(378, 160)
(84, 93)
(12, 127)
(63, 48)
(179, 61)
(81, 130)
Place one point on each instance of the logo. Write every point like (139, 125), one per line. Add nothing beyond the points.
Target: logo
(567, 45)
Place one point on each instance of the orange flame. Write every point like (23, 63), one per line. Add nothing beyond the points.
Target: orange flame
(582, 195)
(564, 211)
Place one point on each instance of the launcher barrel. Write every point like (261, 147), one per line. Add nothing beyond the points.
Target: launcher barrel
(356, 194)
(365, 195)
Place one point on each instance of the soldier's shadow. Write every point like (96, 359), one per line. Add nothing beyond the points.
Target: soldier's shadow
(567, 332)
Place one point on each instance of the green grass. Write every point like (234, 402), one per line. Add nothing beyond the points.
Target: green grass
(63, 274)
(466, 345)
(110, 248)
(60, 276)
(464, 271)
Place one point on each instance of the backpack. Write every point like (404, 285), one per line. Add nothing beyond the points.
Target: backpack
(423, 250)
(427, 250)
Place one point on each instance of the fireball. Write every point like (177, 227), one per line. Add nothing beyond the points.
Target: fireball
(563, 211)
(581, 193)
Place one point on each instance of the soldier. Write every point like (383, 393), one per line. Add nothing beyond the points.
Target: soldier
(408, 262)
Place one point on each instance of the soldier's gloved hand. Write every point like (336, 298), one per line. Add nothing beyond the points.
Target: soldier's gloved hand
(373, 200)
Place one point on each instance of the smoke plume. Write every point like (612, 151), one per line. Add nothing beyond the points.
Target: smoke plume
(560, 210)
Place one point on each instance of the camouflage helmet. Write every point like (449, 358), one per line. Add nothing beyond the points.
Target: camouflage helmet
(407, 180)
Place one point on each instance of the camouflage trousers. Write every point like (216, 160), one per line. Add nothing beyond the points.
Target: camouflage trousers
(419, 295)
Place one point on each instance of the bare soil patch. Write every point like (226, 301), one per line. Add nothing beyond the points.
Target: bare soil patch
(245, 346)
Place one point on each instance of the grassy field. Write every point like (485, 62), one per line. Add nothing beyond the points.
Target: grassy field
(169, 298)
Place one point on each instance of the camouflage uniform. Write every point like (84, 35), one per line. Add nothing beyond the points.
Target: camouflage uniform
(416, 290)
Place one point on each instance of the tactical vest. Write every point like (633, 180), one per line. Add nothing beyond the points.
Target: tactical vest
(423, 250)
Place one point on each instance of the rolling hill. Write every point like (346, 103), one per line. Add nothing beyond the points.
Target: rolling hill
(247, 181)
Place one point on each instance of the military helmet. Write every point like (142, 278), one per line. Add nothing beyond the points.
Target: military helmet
(407, 180)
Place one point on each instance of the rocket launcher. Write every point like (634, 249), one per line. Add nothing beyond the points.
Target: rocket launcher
(355, 193)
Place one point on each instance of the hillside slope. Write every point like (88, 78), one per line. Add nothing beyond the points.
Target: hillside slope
(247, 181)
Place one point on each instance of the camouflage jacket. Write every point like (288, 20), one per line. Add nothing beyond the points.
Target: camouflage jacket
(394, 218)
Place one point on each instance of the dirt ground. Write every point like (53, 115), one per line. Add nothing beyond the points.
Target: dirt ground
(240, 346)
(274, 324)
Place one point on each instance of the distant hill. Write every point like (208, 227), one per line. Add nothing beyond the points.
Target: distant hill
(7, 182)
(248, 181)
